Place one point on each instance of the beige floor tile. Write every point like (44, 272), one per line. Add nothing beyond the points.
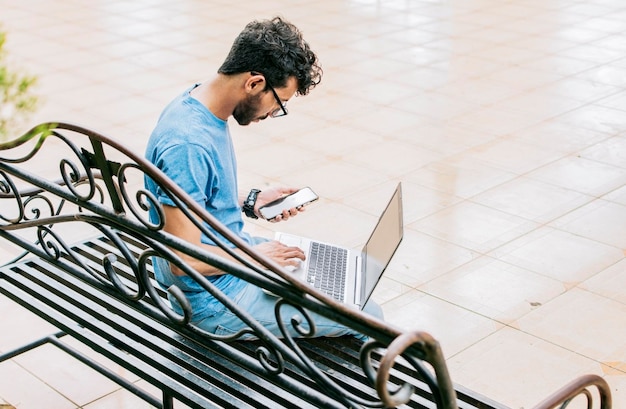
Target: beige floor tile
(354, 178)
(280, 159)
(63, 373)
(421, 258)
(327, 106)
(584, 322)
(478, 90)
(384, 121)
(124, 399)
(617, 101)
(396, 160)
(422, 56)
(8, 251)
(464, 76)
(605, 75)
(334, 140)
(609, 282)
(557, 64)
(434, 105)
(425, 201)
(581, 34)
(582, 175)
(497, 121)
(620, 63)
(560, 255)
(512, 155)
(24, 326)
(591, 53)
(612, 41)
(387, 289)
(24, 390)
(474, 226)
(444, 139)
(379, 92)
(617, 196)
(495, 289)
(539, 104)
(611, 151)
(119, 399)
(617, 383)
(596, 117)
(532, 199)
(601, 221)
(583, 90)
(454, 327)
(461, 175)
(518, 369)
(525, 80)
(560, 136)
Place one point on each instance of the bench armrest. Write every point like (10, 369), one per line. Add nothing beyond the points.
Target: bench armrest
(579, 387)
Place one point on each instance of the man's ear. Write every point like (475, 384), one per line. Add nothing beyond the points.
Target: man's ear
(255, 84)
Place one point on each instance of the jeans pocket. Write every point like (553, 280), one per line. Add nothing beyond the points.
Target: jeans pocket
(222, 330)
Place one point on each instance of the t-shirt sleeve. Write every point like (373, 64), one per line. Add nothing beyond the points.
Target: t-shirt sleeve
(189, 166)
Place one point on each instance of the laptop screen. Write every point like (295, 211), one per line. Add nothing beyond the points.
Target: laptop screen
(382, 244)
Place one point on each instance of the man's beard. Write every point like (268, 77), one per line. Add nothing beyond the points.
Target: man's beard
(246, 111)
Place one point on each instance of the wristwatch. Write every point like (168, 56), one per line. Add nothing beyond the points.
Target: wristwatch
(248, 204)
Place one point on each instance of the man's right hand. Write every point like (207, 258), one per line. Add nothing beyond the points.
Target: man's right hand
(280, 253)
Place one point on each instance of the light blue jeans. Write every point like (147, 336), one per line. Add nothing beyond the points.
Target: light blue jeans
(261, 306)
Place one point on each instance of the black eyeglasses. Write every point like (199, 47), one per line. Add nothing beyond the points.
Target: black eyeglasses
(278, 112)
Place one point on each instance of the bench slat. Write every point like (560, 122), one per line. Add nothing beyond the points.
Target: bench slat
(127, 335)
(336, 353)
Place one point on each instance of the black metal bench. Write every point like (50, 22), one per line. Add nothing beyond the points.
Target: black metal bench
(86, 268)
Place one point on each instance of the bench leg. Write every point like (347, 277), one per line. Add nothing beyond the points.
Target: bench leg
(168, 401)
(31, 345)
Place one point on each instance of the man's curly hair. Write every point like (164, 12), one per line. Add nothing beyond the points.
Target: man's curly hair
(276, 49)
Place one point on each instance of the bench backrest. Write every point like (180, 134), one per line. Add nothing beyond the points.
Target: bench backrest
(61, 183)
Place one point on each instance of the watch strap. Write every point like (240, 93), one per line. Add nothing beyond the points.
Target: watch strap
(248, 204)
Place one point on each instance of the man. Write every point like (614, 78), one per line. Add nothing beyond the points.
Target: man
(268, 64)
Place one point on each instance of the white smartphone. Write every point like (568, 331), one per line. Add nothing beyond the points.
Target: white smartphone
(297, 199)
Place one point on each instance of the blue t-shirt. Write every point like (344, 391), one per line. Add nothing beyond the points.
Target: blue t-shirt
(194, 148)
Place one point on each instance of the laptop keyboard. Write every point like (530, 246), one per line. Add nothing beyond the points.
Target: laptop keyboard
(327, 269)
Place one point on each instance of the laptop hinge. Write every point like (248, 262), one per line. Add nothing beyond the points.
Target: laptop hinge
(358, 281)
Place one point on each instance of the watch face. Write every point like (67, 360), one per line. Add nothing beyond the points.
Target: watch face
(248, 206)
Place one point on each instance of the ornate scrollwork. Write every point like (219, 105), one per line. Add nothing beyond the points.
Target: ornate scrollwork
(305, 362)
(265, 353)
(8, 189)
(36, 211)
(51, 248)
(143, 276)
(159, 251)
(144, 199)
(54, 247)
(110, 259)
(71, 176)
(296, 320)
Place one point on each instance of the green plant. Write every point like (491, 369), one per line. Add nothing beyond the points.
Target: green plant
(16, 98)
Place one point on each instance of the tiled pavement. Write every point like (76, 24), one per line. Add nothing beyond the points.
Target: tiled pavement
(505, 120)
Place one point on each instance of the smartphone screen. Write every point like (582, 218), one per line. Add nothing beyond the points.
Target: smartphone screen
(297, 199)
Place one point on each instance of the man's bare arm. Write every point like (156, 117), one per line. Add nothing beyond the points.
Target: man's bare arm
(178, 224)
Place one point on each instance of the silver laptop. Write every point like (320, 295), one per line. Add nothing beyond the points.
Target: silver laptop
(348, 275)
